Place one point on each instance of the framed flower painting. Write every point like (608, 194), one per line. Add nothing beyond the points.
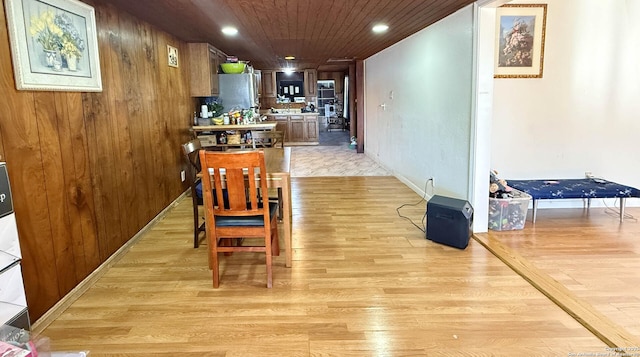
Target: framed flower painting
(54, 45)
(520, 39)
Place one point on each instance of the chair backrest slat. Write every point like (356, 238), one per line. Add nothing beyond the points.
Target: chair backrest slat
(191, 152)
(239, 174)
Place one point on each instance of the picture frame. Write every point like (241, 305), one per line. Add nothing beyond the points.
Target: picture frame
(520, 36)
(172, 54)
(54, 45)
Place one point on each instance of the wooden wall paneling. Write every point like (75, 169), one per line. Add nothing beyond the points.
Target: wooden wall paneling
(102, 138)
(155, 121)
(172, 111)
(51, 107)
(22, 153)
(153, 178)
(180, 118)
(27, 175)
(24, 164)
(116, 180)
(125, 180)
(6, 73)
(132, 56)
(159, 121)
(79, 188)
(88, 170)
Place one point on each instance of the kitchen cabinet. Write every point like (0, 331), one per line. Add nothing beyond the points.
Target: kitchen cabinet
(269, 85)
(282, 124)
(297, 128)
(310, 83)
(311, 129)
(209, 135)
(339, 82)
(203, 66)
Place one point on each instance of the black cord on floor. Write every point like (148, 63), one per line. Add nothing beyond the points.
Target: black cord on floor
(612, 211)
(423, 229)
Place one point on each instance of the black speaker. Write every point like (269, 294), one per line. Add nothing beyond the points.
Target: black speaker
(449, 221)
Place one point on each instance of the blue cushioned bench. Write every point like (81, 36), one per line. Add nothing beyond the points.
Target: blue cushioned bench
(574, 188)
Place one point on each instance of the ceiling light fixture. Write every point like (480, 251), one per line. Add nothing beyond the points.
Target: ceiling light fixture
(288, 70)
(229, 31)
(290, 58)
(380, 28)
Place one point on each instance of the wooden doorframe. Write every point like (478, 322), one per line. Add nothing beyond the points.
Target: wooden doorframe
(352, 100)
(359, 98)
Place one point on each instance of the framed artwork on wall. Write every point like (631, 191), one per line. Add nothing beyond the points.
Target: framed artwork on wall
(54, 45)
(172, 56)
(520, 35)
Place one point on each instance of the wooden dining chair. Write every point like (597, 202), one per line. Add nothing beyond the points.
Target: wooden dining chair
(267, 138)
(191, 151)
(270, 138)
(246, 213)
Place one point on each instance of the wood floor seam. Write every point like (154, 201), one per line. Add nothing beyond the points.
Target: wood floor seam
(606, 330)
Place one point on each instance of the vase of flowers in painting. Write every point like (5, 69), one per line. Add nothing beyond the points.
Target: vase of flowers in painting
(72, 62)
(50, 57)
(59, 37)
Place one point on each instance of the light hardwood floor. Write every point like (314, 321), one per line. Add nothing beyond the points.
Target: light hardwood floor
(364, 282)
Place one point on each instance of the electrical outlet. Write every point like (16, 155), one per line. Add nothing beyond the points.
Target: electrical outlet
(433, 181)
(588, 174)
(183, 175)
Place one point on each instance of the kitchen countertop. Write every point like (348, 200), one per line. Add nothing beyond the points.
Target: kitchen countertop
(265, 125)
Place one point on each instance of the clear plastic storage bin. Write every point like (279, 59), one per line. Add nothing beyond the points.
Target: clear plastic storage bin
(507, 214)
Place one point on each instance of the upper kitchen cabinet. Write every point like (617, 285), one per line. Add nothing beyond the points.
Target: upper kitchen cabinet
(310, 82)
(203, 65)
(269, 84)
(338, 80)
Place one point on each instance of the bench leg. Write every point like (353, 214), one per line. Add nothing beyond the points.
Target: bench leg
(535, 210)
(622, 202)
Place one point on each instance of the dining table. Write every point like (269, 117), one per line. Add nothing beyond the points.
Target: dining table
(278, 164)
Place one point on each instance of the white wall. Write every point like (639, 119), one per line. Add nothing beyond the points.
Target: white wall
(425, 85)
(584, 114)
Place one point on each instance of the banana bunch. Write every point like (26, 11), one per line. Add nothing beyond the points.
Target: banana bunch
(217, 120)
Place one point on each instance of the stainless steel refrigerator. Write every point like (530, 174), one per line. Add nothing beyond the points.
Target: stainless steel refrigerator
(238, 91)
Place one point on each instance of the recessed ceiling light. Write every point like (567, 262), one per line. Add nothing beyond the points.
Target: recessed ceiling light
(380, 28)
(230, 31)
(290, 57)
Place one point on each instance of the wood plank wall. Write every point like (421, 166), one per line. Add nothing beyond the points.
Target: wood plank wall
(89, 170)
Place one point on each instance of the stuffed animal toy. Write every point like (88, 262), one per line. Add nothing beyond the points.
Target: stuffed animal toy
(498, 187)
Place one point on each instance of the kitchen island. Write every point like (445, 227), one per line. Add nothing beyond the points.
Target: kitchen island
(209, 134)
(298, 128)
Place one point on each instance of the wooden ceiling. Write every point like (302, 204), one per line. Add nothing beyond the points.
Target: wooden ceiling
(323, 34)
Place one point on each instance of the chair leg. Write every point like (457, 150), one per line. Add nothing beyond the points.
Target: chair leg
(275, 240)
(196, 227)
(216, 267)
(280, 209)
(212, 252)
(269, 267)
